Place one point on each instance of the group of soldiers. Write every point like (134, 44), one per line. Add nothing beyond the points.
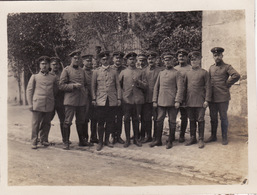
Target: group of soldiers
(135, 87)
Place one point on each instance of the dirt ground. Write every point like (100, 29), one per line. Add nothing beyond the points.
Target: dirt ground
(134, 166)
(56, 167)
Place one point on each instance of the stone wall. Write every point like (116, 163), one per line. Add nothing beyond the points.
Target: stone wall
(226, 28)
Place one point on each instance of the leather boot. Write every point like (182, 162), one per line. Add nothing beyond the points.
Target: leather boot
(93, 127)
(81, 135)
(62, 131)
(192, 134)
(127, 132)
(148, 132)
(224, 130)
(213, 137)
(182, 130)
(154, 130)
(158, 141)
(136, 132)
(172, 129)
(143, 130)
(201, 134)
(66, 131)
(85, 130)
(108, 131)
(101, 137)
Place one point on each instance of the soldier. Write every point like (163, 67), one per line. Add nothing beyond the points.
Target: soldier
(106, 95)
(58, 106)
(73, 83)
(167, 95)
(132, 83)
(198, 94)
(118, 67)
(41, 90)
(222, 76)
(151, 72)
(90, 110)
(141, 61)
(183, 67)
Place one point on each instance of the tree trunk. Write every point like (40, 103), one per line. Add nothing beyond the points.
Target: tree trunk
(24, 102)
(19, 96)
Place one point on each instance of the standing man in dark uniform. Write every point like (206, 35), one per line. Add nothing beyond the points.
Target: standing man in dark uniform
(167, 95)
(73, 83)
(58, 106)
(90, 110)
(183, 67)
(132, 83)
(198, 94)
(151, 73)
(223, 76)
(40, 92)
(106, 96)
(118, 67)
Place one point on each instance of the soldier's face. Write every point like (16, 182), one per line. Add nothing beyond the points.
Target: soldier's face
(88, 63)
(182, 58)
(55, 66)
(117, 60)
(141, 62)
(44, 66)
(104, 61)
(217, 57)
(131, 61)
(151, 61)
(195, 62)
(168, 63)
(75, 60)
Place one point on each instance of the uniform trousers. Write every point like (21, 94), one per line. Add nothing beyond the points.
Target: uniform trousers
(78, 111)
(40, 121)
(91, 115)
(148, 112)
(105, 119)
(221, 108)
(172, 115)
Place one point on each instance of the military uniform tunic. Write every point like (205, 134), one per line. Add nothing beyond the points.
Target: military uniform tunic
(198, 88)
(74, 97)
(223, 76)
(105, 84)
(168, 88)
(133, 83)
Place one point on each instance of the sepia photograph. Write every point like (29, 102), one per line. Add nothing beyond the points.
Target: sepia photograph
(129, 100)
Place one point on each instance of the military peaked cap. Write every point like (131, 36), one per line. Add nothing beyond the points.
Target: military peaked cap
(141, 56)
(182, 51)
(118, 53)
(104, 54)
(152, 54)
(131, 54)
(194, 54)
(43, 58)
(217, 50)
(76, 52)
(168, 55)
(55, 59)
(86, 56)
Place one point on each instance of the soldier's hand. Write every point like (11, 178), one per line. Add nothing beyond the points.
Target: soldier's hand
(94, 103)
(119, 102)
(31, 108)
(177, 104)
(77, 85)
(154, 104)
(205, 104)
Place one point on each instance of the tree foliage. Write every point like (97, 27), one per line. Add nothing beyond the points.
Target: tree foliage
(101, 26)
(31, 35)
(155, 27)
